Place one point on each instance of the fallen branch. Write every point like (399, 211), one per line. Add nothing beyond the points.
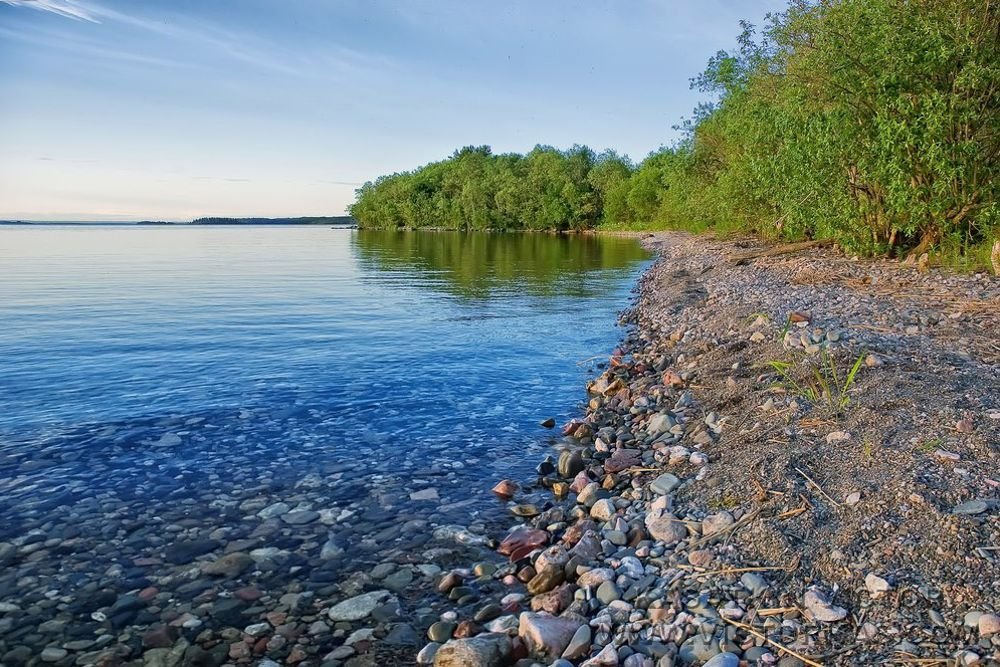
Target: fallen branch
(818, 488)
(740, 570)
(774, 611)
(777, 645)
(779, 250)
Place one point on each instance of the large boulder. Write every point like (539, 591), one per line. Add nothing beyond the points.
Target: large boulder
(487, 650)
(547, 636)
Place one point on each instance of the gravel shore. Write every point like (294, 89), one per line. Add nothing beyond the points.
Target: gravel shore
(791, 460)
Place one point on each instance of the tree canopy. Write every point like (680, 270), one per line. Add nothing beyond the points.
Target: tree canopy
(872, 122)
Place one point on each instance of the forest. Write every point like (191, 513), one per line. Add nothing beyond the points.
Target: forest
(874, 123)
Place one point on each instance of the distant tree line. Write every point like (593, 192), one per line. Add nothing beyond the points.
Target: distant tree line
(872, 122)
(307, 220)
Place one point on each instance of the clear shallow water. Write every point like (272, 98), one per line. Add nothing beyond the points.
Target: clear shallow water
(156, 366)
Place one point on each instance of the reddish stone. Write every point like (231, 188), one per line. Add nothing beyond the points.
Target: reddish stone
(260, 646)
(526, 574)
(148, 593)
(579, 482)
(519, 651)
(288, 630)
(555, 601)
(622, 459)
(578, 530)
(511, 607)
(466, 629)
(247, 594)
(239, 651)
(295, 656)
(505, 489)
(521, 541)
(276, 618)
(672, 379)
(158, 637)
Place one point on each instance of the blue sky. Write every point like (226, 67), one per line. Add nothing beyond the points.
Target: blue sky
(172, 109)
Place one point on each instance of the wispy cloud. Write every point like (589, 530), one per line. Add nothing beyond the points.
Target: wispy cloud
(352, 183)
(71, 9)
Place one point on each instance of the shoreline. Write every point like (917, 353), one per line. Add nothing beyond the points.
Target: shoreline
(713, 507)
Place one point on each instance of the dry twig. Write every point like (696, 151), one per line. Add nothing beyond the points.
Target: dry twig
(777, 645)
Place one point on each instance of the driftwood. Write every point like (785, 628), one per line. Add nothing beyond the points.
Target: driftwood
(785, 249)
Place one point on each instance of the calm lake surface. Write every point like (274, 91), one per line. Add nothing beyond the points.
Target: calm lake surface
(331, 395)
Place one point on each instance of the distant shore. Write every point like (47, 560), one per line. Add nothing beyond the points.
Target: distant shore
(334, 220)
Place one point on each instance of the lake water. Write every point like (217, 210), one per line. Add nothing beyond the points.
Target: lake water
(284, 388)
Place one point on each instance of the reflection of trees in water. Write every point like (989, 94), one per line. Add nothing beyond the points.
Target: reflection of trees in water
(475, 263)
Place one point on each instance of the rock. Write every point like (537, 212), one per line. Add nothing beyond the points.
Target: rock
(579, 644)
(546, 636)
(273, 511)
(425, 494)
(603, 510)
(427, 653)
(608, 657)
(590, 494)
(299, 517)
(183, 552)
(570, 464)
(837, 436)
(664, 484)
(971, 507)
(555, 601)
(700, 557)
(441, 631)
(876, 585)
(358, 607)
(623, 459)
(159, 636)
(595, 577)
(546, 580)
(660, 423)
(506, 489)
(716, 523)
(552, 557)
(230, 565)
(608, 592)
(486, 650)
(819, 607)
(697, 649)
(664, 527)
(723, 660)
(989, 624)
(754, 583)
(971, 619)
(548, 423)
(52, 654)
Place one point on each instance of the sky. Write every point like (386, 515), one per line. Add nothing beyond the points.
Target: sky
(175, 109)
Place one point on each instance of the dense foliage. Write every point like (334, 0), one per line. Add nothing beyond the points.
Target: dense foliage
(475, 189)
(872, 122)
